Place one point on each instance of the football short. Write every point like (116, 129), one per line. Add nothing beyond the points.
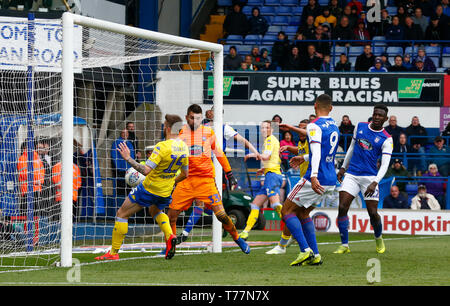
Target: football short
(354, 184)
(139, 195)
(197, 188)
(302, 194)
(272, 184)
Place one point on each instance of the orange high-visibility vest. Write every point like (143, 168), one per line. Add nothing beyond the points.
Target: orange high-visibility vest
(56, 180)
(38, 172)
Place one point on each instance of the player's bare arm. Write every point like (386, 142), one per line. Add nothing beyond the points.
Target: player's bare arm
(125, 153)
(296, 161)
(248, 145)
(296, 129)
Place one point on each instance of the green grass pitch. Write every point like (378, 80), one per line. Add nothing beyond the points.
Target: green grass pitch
(408, 261)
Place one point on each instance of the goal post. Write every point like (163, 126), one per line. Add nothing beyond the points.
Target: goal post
(69, 67)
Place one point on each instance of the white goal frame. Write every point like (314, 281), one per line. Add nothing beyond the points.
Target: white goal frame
(68, 22)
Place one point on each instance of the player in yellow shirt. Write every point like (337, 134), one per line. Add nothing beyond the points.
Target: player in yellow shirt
(273, 179)
(154, 192)
(299, 161)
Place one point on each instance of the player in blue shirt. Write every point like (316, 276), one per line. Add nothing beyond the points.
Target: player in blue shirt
(319, 179)
(370, 143)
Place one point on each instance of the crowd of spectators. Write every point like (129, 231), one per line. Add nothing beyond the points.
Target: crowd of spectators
(310, 48)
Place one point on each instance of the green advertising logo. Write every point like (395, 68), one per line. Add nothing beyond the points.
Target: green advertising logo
(410, 88)
(227, 81)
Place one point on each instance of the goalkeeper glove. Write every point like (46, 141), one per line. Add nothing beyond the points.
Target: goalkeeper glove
(232, 180)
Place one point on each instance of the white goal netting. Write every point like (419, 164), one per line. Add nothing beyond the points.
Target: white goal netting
(119, 95)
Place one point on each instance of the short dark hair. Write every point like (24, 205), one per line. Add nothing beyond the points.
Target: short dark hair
(305, 121)
(195, 108)
(171, 119)
(382, 107)
(324, 100)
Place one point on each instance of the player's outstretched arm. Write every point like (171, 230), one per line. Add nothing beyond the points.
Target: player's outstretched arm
(296, 129)
(126, 155)
(183, 174)
(248, 145)
(290, 149)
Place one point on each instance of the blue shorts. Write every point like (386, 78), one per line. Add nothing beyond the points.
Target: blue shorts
(272, 184)
(144, 198)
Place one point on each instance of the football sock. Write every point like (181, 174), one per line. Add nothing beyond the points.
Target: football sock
(227, 224)
(275, 205)
(343, 229)
(295, 227)
(377, 228)
(193, 219)
(310, 235)
(164, 224)
(252, 218)
(284, 240)
(119, 231)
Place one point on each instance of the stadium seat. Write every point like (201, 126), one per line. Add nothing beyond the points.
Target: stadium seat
(392, 10)
(355, 50)
(280, 20)
(273, 30)
(433, 50)
(289, 2)
(252, 39)
(272, 2)
(377, 51)
(441, 69)
(303, 3)
(446, 51)
(247, 10)
(393, 51)
(244, 49)
(435, 60)
(290, 30)
(234, 39)
(297, 10)
(323, 2)
(411, 50)
(268, 11)
(379, 41)
(446, 62)
(284, 11)
(339, 50)
(352, 60)
(224, 2)
(255, 2)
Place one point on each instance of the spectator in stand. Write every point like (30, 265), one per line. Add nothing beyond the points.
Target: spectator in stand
(424, 200)
(440, 155)
(131, 128)
(325, 66)
(426, 6)
(256, 58)
(418, 66)
(357, 4)
(326, 30)
(257, 24)
(352, 18)
(361, 32)
(409, 6)
(343, 64)
(335, 8)
(435, 184)
(434, 31)
(325, 17)
(299, 42)
(398, 170)
(235, 22)
(398, 65)
(346, 129)
(365, 60)
(401, 13)
(321, 42)
(233, 60)
(294, 61)
(265, 60)
(280, 50)
(378, 66)
(343, 31)
(420, 19)
(416, 133)
(119, 165)
(277, 118)
(248, 59)
(393, 129)
(395, 31)
(311, 9)
(379, 28)
(402, 146)
(443, 19)
(446, 131)
(395, 199)
(445, 7)
(307, 29)
(407, 61)
(385, 60)
(428, 64)
(286, 141)
(312, 60)
(412, 31)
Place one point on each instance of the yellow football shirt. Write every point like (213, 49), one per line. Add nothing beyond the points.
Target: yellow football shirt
(167, 159)
(303, 149)
(272, 148)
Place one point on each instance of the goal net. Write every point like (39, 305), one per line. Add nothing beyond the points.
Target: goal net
(65, 109)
